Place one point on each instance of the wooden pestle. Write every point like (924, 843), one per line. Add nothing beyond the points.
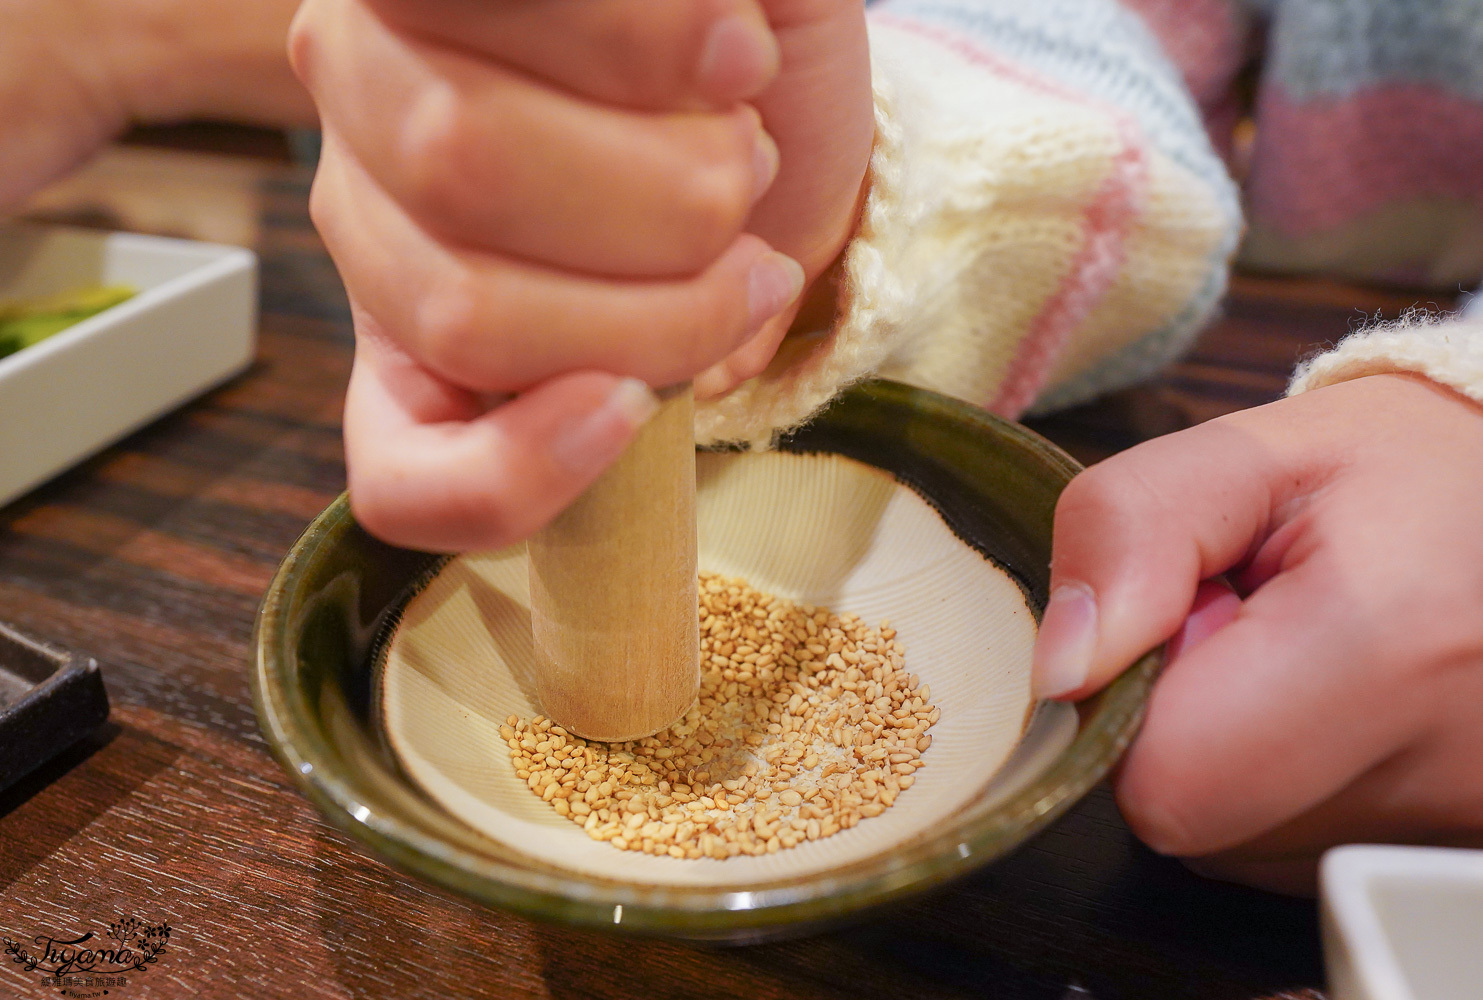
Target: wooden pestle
(613, 590)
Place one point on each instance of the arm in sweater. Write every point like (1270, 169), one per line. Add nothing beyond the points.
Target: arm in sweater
(1046, 219)
(1366, 161)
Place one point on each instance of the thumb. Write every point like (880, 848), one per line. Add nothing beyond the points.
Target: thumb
(1134, 536)
(820, 112)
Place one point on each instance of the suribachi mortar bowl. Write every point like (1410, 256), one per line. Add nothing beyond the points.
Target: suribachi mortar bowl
(379, 690)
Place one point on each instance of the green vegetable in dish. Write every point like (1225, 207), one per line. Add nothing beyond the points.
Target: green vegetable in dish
(27, 322)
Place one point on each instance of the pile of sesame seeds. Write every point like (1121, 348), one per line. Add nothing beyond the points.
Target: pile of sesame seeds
(807, 723)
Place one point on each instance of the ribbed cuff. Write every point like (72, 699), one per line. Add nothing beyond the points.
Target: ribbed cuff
(1445, 348)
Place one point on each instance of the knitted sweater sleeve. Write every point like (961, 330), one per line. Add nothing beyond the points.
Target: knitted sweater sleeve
(1046, 219)
(1446, 349)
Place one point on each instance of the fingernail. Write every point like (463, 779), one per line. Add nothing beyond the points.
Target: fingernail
(774, 283)
(1066, 643)
(592, 442)
(740, 57)
(765, 162)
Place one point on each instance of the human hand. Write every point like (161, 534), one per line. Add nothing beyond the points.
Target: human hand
(540, 208)
(1337, 694)
(75, 74)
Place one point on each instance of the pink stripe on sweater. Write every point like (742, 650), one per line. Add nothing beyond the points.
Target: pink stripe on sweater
(1104, 231)
(1095, 267)
(1324, 162)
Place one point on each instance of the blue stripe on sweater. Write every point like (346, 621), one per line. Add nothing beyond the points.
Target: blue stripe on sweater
(1096, 47)
(1332, 48)
(1141, 358)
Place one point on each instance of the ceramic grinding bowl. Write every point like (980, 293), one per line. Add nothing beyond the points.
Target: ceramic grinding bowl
(383, 676)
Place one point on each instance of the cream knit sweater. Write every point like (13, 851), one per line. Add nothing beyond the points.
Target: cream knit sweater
(1046, 221)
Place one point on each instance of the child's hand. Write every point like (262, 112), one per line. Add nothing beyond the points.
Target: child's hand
(1341, 699)
(555, 198)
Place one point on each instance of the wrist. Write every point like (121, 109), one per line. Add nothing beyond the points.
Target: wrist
(56, 107)
(1421, 387)
(166, 61)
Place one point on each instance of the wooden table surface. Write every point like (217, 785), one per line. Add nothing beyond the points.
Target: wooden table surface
(153, 555)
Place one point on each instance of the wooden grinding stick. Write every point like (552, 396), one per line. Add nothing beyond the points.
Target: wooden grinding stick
(613, 590)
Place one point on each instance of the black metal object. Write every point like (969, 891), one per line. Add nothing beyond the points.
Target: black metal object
(49, 699)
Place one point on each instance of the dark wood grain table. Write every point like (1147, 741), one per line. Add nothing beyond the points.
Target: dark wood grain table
(153, 555)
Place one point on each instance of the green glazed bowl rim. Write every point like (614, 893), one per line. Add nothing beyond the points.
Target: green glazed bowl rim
(1108, 723)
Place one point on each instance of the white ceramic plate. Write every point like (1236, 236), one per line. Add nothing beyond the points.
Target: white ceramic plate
(191, 326)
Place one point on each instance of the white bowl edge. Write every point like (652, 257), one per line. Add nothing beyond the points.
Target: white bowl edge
(1372, 895)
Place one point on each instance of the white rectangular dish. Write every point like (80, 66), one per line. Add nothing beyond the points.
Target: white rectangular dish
(192, 325)
(1403, 923)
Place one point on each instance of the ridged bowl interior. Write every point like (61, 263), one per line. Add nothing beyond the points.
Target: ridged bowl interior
(819, 529)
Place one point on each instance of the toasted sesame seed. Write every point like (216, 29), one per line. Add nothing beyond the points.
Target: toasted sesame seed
(784, 689)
